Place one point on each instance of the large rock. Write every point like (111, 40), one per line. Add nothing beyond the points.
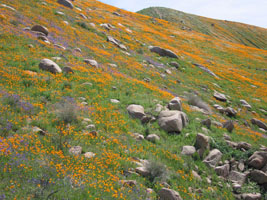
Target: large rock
(168, 194)
(66, 3)
(258, 176)
(136, 111)
(172, 121)
(250, 196)
(223, 170)
(202, 143)
(49, 65)
(219, 96)
(213, 158)
(175, 104)
(41, 29)
(163, 52)
(237, 177)
(188, 150)
(259, 123)
(258, 159)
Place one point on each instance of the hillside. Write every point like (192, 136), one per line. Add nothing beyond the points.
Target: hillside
(244, 34)
(101, 103)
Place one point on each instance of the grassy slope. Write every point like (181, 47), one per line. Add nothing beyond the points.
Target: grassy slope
(231, 31)
(34, 166)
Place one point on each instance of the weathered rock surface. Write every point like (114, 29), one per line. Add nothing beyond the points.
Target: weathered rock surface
(49, 65)
(172, 121)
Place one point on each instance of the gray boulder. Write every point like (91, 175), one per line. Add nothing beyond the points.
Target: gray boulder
(223, 170)
(172, 121)
(175, 104)
(245, 104)
(259, 123)
(202, 143)
(220, 96)
(66, 3)
(237, 177)
(41, 29)
(213, 158)
(258, 159)
(249, 196)
(163, 52)
(258, 176)
(153, 138)
(188, 150)
(136, 111)
(49, 65)
(91, 62)
(168, 194)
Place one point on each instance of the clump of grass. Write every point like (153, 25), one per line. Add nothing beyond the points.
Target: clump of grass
(67, 111)
(194, 100)
(157, 171)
